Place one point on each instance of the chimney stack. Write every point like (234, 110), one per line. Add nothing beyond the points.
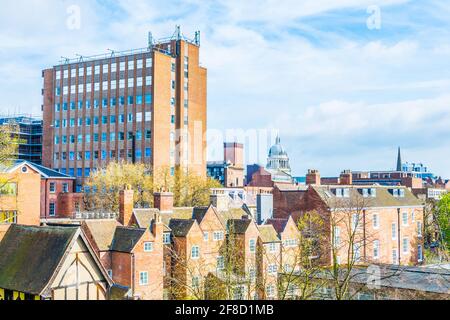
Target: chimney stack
(313, 177)
(126, 205)
(346, 178)
(220, 200)
(163, 201)
(157, 226)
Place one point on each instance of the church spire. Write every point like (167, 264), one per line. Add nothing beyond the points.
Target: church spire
(399, 160)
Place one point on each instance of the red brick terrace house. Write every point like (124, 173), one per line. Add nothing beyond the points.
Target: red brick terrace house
(388, 220)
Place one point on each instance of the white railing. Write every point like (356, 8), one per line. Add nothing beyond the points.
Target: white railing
(95, 215)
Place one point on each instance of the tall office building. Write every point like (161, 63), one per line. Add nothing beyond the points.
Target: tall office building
(29, 132)
(145, 105)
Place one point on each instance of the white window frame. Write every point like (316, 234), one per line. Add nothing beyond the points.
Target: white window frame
(195, 252)
(143, 275)
(376, 218)
(376, 249)
(148, 246)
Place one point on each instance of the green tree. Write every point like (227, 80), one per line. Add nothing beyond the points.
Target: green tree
(8, 145)
(442, 219)
(189, 188)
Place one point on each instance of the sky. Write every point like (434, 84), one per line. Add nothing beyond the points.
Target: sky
(344, 83)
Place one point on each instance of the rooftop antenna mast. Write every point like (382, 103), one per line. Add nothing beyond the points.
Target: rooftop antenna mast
(80, 57)
(150, 41)
(113, 53)
(65, 60)
(197, 38)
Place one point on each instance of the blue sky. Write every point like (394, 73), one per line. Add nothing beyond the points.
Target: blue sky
(341, 95)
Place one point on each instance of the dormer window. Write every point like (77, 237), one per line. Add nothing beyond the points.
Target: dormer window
(395, 192)
(373, 193)
(365, 193)
(401, 193)
(339, 193)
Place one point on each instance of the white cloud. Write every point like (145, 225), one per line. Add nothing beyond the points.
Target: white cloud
(267, 66)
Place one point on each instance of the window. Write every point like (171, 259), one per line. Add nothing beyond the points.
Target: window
(205, 236)
(139, 100)
(65, 187)
(405, 218)
(148, 134)
(148, 116)
(272, 247)
(139, 117)
(139, 82)
(130, 100)
(148, 246)
(419, 253)
(52, 187)
(113, 67)
(405, 245)
(394, 231)
(66, 74)
(166, 238)
(88, 71)
(394, 256)
(376, 249)
(376, 221)
(218, 235)
(337, 236)
(122, 66)
(148, 81)
(149, 62)
(272, 269)
(148, 152)
(131, 65)
(356, 252)
(148, 99)
(195, 252)
(73, 73)
(355, 221)
(195, 282)
(96, 86)
(130, 83)
(270, 291)
(143, 278)
(220, 263)
(419, 229)
(140, 64)
(252, 244)
(52, 209)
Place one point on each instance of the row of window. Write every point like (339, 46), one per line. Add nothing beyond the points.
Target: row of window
(105, 85)
(88, 121)
(104, 137)
(105, 68)
(96, 155)
(131, 100)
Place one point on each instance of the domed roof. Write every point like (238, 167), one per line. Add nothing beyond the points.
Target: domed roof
(277, 149)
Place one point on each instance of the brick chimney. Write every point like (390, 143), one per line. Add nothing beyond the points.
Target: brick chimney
(220, 200)
(126, 205)
(313, 177)
(163, 201)
(157, 226)
(346, 178)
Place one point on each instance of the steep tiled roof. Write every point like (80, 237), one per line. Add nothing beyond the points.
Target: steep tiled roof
(278, 224)
(268, 234)
(43, 171)
(102, 232)
(125, 239)
(29, 256)
(199, 213)
(238, 226)
(181, 227)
